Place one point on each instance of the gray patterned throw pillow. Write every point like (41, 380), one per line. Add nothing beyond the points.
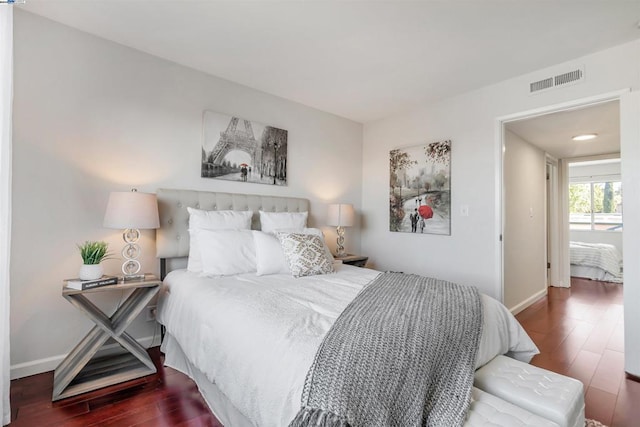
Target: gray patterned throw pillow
(305, 254)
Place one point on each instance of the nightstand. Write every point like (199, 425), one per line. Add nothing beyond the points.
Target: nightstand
(80, 372)
(355, 260)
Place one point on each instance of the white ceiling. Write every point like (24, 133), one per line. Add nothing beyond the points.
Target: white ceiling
(357, 59)
(553, 132)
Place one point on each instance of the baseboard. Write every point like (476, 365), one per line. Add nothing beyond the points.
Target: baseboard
(632, 377)
(529, 301)
(21, 370)
(560, 284)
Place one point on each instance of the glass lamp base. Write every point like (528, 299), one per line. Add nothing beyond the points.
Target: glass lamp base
(131, 251)
(340, 252)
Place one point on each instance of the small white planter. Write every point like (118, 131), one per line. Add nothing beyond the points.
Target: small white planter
(90, 271)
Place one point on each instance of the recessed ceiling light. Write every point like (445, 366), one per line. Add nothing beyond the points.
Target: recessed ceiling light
(585, 137)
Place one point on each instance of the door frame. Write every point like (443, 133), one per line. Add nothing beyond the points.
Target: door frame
(500, 122)
(553, 224)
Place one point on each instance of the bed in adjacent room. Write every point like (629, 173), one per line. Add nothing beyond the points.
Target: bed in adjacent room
(247, 324)
(595, 261)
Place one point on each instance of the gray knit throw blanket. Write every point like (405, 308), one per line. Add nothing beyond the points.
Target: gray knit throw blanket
(401, 354)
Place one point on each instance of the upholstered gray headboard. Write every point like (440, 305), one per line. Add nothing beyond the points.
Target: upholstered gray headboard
(172, 238)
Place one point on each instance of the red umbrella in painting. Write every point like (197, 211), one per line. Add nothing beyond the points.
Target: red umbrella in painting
(243, 165)
(425, 211)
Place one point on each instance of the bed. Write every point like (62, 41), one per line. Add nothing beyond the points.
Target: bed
(595, 261)
(247, 340)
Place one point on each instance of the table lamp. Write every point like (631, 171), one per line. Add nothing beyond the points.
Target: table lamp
(340, 215)
(131, 211)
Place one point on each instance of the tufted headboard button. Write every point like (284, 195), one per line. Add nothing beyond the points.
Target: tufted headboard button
(197, 205)
(170, 221)
(179, 204)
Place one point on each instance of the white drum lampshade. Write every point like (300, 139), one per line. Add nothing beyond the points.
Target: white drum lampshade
(131, 211)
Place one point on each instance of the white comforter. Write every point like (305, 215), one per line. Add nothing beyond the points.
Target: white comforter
(256, 337)
(601, 255)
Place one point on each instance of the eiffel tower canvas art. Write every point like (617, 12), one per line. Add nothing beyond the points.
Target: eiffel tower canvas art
(236, 149)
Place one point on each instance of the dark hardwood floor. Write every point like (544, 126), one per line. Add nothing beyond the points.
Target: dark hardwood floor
(579, 332)
(168, 398)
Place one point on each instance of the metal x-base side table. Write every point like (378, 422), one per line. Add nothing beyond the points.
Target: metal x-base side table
(79, 372)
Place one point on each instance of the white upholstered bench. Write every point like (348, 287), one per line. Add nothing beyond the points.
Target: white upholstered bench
(487, 410)
(549, 395)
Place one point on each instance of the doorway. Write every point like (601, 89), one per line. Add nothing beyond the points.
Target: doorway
(536, 148)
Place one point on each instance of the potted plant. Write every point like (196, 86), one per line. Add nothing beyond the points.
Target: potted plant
(92, 253)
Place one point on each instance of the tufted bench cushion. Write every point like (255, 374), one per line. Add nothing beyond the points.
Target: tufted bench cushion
(487, 410)
(552, 396)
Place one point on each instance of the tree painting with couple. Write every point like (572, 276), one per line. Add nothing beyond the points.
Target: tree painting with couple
(419, 189)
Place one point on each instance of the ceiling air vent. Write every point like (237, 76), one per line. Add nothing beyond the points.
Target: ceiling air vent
(564, 79)
(541, 85)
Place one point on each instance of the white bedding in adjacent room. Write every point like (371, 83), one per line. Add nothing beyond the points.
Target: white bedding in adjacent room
(602, 256)
(255, 337)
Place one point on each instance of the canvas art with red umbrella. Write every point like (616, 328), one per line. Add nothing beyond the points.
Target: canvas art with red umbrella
(419, 189)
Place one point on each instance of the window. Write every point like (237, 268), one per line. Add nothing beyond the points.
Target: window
(595, 206)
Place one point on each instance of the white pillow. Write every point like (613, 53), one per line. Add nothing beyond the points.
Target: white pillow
(270, 257)
(305, 254)
(212, 220)
(227, 252)
(272, 221)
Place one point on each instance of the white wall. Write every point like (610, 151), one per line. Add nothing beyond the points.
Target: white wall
(525, 257)
(472, 254)
(581, 172)
(630, 149)
(90, 117)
